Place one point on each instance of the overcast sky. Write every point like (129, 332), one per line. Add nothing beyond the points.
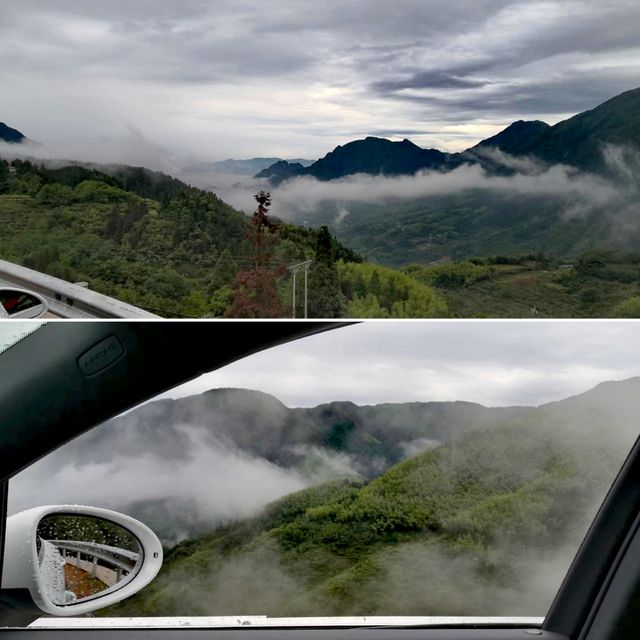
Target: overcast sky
(139, 80)
(494, 363)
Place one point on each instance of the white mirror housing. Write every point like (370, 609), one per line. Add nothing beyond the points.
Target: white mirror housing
(23, 563)
(19, 303)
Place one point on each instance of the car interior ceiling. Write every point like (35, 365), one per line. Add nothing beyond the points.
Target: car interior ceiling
(58, 383)
(53, 386)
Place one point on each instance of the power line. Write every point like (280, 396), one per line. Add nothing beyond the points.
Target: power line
(294, 271)
(240, 261)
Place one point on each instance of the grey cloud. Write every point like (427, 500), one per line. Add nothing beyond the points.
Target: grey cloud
(305, 194)
(541, 69)
(237, 484)
(495, 363)
(571, 93)
(329, 69)
(393, 133)
(147, 41)
(131, 147)
(428, 79)
(379, 19)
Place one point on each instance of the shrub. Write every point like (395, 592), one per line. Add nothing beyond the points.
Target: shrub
(91, 190)
(55, 194)
(630, 308)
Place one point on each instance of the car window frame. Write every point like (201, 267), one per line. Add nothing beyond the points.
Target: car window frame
(574, 609)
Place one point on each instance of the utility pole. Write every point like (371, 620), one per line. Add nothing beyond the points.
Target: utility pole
(294, 268)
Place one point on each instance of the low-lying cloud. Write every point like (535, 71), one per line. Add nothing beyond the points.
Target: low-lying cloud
(578, 192)
(216, 483)
(130, 146)
(202, 485)
(187, 74)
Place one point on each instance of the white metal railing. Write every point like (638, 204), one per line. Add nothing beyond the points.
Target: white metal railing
(116, 556)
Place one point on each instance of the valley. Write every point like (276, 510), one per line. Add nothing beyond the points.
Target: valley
(374, 216)
(483, 523)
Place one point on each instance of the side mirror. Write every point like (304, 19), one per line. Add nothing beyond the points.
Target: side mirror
(75, 559)
(18, 303)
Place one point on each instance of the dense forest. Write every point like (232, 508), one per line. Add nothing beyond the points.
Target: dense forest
(156, 242)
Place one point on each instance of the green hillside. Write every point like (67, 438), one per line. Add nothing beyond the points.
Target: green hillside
(475, 222)
(597, 284)
(303, 445)
(486, 525)
(154, 245)
(502, 218)
(579, 141)
(153, 241)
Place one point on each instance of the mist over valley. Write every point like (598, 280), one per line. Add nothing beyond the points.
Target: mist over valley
(434, 508)
(391, 229)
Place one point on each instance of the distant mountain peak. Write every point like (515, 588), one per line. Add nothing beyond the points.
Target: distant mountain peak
(13, 136)
(619, 384)
(280, 171)
(516, 137)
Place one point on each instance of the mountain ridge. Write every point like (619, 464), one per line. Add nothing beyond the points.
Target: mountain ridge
(577, 141)
(484, 525)
(258, 423)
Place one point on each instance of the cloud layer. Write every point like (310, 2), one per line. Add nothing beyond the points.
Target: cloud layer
(497, 363)
(239, 79)
(210, 485)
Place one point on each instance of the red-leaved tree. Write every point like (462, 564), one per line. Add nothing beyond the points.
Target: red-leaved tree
(254, 289)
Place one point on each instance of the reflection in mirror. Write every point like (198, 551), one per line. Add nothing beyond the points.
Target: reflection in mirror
(84, 557)
(16, 303)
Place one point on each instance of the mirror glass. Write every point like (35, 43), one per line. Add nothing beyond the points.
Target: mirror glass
(21, 304)
(83, 557)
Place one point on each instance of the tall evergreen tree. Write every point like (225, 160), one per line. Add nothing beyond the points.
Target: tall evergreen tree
(325, 297)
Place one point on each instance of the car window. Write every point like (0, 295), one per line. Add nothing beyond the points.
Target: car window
(383, 469)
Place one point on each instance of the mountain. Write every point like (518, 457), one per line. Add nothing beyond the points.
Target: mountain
(517, 137)
(280, 171)
(486, 524)
(374, 156)
(553, 210)
(259, 424)
(220, 440)
(246, 167)
(7, 134)
(580, 140)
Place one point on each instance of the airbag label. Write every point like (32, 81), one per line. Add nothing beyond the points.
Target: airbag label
(100, 356)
